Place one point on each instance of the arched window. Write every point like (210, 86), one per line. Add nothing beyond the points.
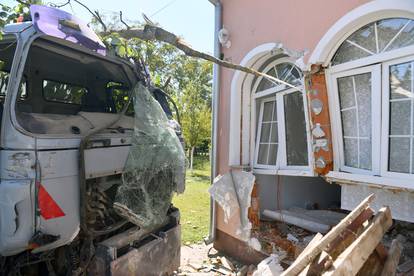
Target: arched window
(372, 77)
(375, 38)
(281, 137)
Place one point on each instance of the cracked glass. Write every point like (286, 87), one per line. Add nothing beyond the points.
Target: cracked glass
(155, 167)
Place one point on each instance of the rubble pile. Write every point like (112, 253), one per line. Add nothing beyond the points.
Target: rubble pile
(200, 259)
(404, 233)
(286, 241)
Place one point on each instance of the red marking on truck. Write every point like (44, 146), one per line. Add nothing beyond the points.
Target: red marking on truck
(49, 209)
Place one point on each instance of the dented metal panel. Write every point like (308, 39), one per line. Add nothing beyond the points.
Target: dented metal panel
(16, 216)
(160, 256)
(138, 251)
(17, 164)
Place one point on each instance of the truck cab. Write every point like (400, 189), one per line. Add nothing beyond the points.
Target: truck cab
(59, 85)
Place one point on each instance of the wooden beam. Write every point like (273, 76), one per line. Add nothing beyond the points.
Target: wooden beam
(354, 257)
(337, 246)
(373, 266)
(394, 254)
(311, 244)
(300, 263)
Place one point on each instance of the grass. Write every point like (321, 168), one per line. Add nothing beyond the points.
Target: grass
(194, 204)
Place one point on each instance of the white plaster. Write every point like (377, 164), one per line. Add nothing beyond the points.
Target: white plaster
(355, 19)
(232, 192)
(401, 203)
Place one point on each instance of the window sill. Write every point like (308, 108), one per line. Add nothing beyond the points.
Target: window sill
(370, 180)
(286, 172)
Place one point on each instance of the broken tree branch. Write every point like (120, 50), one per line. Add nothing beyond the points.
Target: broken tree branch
(23, 2)
(151, 32)
(122, 20)
(95, 14)
(60, 5)
(155, 33)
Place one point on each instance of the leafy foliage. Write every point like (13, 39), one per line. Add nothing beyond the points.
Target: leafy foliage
(11, 14)
(189, 81)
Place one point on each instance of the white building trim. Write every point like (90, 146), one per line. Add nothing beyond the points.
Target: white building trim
(240, 100)
(240, 84)
(355, 19)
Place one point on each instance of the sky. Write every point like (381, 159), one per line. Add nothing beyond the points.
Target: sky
(192, 20)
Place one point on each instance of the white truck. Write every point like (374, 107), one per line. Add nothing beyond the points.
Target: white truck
(73, 118)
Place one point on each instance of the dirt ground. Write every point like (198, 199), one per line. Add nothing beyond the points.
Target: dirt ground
(201, 259)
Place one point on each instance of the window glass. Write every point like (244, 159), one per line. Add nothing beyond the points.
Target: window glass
(268, 134)
(374, 38)
(285, 71)
(4, 80)
(7, 50)
(120, 96)
(296, 140)
(401, 132)
(63, 92)
(355, 105)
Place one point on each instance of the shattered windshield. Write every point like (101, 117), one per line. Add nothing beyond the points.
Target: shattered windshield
(155, 167)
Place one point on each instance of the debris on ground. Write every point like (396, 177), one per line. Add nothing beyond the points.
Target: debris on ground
(404, 233)
(273, 237)
(269, 267)
(356, 245)
(199, 259)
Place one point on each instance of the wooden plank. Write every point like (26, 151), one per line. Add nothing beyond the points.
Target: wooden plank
(372, 267)
(311, 244)
(321, 263)
(325, 259)
(394, 254)
(382, 252)
(354, 257)
(337, 246)
(300, 263)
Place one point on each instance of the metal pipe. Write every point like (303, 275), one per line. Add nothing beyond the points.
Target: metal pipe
(215, 98)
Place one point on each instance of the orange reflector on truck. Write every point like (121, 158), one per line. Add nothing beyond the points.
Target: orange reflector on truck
(49, 209)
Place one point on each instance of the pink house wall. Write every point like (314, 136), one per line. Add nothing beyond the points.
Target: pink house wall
(298, 24)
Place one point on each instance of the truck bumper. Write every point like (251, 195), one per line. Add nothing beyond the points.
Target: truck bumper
(136, 253)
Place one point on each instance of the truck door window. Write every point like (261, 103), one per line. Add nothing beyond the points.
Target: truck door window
(120, 97)
(4, 80)
(63, 92)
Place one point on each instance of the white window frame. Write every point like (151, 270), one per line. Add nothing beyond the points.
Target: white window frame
(281, 167)
(259, 133)
(386, 122)
(381, 175)
(336, 119)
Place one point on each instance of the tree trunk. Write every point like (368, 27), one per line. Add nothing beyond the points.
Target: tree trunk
(191, 159)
